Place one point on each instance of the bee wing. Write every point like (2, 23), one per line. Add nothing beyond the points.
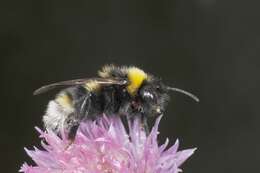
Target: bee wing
(102, 81)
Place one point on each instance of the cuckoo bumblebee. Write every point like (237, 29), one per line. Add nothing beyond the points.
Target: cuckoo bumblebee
(117, 91)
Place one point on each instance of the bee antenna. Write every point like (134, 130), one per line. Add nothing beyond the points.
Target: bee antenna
(184, 92)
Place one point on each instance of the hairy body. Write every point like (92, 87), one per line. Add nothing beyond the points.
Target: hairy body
(118, 91)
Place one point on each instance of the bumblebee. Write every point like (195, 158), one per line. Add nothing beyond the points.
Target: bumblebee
(118, 90)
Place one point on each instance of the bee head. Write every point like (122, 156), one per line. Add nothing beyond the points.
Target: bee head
(154, 97)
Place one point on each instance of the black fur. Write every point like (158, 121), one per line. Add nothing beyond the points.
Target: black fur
(149, 101)
(115, 100)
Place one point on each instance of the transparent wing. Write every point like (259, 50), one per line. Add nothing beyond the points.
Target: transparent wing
(101, 81)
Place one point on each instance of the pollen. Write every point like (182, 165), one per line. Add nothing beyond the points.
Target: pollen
(136, 77)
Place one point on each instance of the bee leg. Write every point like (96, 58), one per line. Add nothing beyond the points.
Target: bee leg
(74, 122)
(85, 106)
(145, 125)
(144, 120)
(84, 109)
(72, 131)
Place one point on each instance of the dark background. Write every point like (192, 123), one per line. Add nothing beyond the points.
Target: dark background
(208, 47)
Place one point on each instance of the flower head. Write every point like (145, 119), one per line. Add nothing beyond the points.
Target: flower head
(105, 146)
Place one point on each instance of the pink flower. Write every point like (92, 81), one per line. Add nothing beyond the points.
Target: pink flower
(104, 146)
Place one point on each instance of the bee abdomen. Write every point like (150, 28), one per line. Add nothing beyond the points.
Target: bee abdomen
(58, 111)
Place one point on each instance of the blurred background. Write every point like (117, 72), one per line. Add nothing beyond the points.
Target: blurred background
(208, 47)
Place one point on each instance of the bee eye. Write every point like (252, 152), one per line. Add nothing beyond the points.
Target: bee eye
(148, 95)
